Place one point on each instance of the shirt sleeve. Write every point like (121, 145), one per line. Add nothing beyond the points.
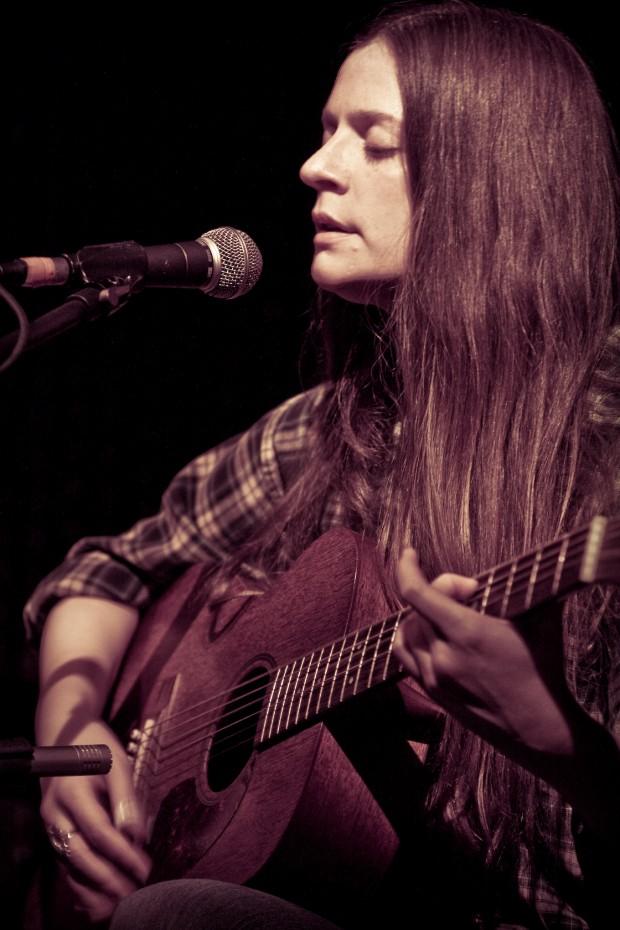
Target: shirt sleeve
(210, 507)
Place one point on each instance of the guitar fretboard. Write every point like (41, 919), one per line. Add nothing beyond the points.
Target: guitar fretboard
(306, 688)
(310, 686)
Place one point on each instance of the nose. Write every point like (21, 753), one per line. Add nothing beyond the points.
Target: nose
(325, 169)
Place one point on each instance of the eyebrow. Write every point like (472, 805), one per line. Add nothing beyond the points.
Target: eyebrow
(364, 116)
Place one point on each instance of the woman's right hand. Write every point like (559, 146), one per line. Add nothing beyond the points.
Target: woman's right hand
(106, 859)
(102, 829)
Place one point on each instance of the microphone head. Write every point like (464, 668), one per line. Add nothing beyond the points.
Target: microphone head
(237, 263)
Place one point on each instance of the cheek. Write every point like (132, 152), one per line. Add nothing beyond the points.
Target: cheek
(391, 234)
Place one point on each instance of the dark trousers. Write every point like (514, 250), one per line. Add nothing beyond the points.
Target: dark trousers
(202, 904)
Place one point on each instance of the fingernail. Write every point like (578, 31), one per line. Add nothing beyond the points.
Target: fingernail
(127, 813)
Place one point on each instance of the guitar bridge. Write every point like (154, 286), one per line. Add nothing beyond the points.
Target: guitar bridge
(138, 748)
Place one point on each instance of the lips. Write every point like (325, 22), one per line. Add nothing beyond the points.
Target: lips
(323, 223)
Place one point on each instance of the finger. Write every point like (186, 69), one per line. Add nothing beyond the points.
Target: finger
(84, 870)
(458, 587)
(448, 616)
(93, 902)
(93, 823)
(128, 817)
(127, 812)
(408, 571)
(89, 870)
(404, 654)
(413, 646)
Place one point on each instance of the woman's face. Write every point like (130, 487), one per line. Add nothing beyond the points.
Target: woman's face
(362, 214)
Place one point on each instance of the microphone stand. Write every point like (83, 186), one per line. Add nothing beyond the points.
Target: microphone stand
(90, 303)
(15, 756)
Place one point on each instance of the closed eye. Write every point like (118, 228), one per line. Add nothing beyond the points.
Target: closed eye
(379, 152)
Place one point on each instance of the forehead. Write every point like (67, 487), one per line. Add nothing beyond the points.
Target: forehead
(367, 80)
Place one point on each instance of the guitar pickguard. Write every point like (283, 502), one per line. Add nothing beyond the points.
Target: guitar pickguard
(175, 849)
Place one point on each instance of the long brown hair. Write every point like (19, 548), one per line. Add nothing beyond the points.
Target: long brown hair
(479, 415)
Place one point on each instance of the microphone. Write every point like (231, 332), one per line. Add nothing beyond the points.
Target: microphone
(223, 263)
(18, 757)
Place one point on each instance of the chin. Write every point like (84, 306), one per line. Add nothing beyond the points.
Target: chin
(376, 293)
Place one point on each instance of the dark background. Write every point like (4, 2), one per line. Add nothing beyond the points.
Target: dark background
(156, 128)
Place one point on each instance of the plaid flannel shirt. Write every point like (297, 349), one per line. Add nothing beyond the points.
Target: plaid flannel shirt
(211, 507)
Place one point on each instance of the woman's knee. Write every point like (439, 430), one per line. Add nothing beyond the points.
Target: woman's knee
(203, 904)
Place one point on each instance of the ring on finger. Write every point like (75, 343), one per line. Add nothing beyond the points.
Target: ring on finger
(60, 840)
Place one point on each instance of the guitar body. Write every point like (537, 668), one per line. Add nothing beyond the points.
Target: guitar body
(315, 816)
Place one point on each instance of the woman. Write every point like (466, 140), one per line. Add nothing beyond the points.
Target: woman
(466, 212)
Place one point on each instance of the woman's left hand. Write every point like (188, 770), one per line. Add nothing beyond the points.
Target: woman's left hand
(502, 679)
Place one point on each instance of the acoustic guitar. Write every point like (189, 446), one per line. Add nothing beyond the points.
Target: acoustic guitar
(266, 746)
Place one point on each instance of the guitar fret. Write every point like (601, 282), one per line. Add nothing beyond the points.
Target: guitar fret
(270, 712)
(311, 692)
(389, 651)
(335, 673)
(290, 670)
(345, 677)
(303, 687)
(508, 588)
(487, 591)
(559, 567)
(592, 549)
(373, 663)
(362, 657)
(322, 688)
(532, 581)
(277, 706)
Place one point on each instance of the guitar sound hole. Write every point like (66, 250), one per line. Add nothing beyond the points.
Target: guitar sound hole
(233, 741)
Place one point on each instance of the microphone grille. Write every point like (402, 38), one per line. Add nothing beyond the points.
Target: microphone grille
(95, 759)
(240, 262)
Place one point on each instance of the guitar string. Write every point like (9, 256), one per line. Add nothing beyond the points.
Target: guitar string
(519, 586)
(307, 692)
(170, 771)
(170, 768)
(338, 675)
(165, 771)
(318, 667)
(169, 765)
(335, 656)
(235, 725)
(343, 672)
(342, 657)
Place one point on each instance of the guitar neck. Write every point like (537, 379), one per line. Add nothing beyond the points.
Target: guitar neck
(305, 689)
